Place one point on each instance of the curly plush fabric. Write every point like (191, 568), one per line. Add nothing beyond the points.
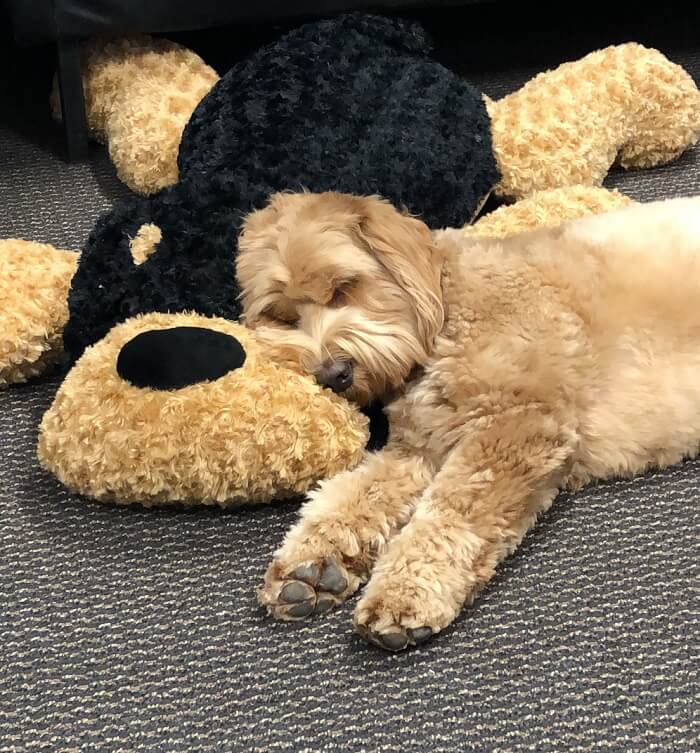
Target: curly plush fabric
(34, 280)
(354, 104)
(625, 103)
(139, 94)
(545, 209)
(257, 433)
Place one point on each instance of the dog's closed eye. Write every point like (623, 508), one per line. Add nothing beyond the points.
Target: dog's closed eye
(338, 298)
(342, 292)
(281, 315)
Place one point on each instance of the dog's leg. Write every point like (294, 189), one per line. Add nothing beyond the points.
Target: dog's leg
(475, 512)
(344, 527)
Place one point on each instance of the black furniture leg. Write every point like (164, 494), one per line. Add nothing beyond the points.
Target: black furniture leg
(70, 83)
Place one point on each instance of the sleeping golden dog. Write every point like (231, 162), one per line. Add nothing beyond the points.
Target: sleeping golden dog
(512, 368)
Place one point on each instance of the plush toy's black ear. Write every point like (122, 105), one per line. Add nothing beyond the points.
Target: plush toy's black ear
(169, 359)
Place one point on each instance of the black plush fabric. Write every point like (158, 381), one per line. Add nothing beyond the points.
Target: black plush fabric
(354, 104)
(169, 359)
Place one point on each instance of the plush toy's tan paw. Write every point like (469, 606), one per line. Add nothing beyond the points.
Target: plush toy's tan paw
(34, 282)
(546, 209)
(568, 126)
(311, 588)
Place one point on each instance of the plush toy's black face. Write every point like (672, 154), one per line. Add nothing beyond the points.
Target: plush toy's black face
(170, 359)
(368, 113)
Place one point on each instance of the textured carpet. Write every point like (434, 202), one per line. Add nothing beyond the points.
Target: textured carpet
(123, 630)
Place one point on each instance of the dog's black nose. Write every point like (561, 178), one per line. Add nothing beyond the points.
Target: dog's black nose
(336, 375)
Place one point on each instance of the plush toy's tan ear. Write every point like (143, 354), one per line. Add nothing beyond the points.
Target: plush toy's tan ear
(404, 247)
(140, 92)
(34, 282)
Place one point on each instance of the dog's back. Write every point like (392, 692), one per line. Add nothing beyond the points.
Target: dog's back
(605, 309)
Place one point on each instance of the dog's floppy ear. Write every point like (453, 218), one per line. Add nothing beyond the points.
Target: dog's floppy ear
(404, 246)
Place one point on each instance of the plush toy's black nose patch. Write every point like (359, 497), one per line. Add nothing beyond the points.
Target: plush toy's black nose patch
(168, 359)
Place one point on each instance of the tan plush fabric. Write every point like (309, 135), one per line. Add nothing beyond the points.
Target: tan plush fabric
(545, 209)
(140, 93)
(258, 433)
(144, 243)
(568, 126)
(34, 282)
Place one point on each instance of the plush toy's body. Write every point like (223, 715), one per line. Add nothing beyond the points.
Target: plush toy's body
(354, 104)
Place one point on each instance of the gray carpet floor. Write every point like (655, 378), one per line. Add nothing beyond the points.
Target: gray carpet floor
(125, 630)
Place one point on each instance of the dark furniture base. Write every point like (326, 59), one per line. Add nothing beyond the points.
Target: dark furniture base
(72, 99)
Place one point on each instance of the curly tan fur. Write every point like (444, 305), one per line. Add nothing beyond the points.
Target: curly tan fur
(139, 94)
(34, 282)
(144, 243)
(352, 306)
(546, 209)
(258, 433)
(568, 126)
(567, 354)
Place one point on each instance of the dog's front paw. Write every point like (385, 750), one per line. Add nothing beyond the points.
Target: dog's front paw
(406, 606)
(296, 591)
(393, 626)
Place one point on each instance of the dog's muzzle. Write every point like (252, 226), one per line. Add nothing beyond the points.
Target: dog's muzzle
(336, 375)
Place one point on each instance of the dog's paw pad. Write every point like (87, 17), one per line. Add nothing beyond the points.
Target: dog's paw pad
(396, 638)
(324, 604)
(419, 635)
(295, 591)
(308, 573)
(312, 588)
(332, 579)
(294, 611)
(391, 641)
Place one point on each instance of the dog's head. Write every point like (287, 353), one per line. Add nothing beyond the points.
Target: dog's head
(345, 286)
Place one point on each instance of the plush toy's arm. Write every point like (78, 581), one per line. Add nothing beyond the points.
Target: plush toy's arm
(546, 208)
(34, 281)
(568, 126)
(139, 95)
